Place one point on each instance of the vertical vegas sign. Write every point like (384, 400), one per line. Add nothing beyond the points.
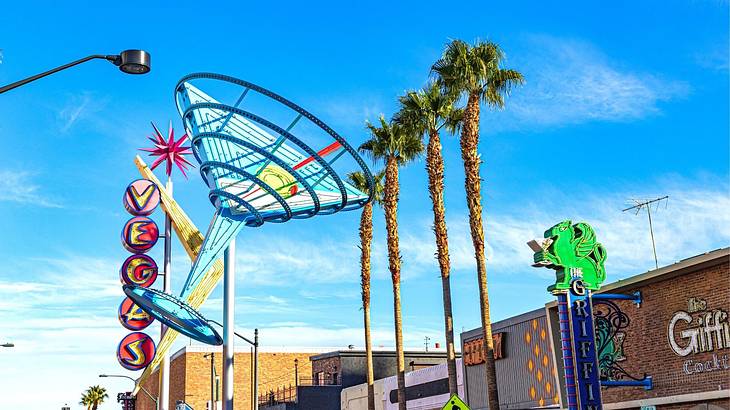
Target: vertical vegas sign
(139, 235)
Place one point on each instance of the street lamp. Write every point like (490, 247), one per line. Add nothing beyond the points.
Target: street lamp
(212, 379)
(157, 404)
(7, 345)
(255, 345)
(128, 61)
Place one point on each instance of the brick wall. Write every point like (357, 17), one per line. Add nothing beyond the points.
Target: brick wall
(329, 366)
(190, 377)
(647, 347)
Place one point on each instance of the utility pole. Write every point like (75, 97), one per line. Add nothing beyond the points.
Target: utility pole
(638, 205)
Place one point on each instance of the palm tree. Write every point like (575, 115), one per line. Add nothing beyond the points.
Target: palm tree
(85, 400)
(93, 397)
(358, 180)
(396, 145)
(476, 72)
(428, 111)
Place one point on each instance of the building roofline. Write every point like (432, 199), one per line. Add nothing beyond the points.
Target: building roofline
(436, 353)
(247, 349)
(504, 323)
(682, 267)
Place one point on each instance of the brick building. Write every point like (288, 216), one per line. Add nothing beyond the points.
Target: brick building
(333, 371)
(679, 336)
(190, 379)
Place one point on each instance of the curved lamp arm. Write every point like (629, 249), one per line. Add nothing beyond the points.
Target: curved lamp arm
(129, 61)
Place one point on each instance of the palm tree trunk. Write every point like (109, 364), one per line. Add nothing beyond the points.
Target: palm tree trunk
(391, 225)
(435, 169)
(472, 162)
(366, 238)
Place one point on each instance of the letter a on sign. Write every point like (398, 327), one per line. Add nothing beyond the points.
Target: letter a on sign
(455, 403)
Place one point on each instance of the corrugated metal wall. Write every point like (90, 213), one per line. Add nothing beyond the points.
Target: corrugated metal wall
(526, 376)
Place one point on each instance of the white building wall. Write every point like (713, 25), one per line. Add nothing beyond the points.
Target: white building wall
(356, 397)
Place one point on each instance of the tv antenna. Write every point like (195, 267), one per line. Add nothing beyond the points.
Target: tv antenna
(638, 206)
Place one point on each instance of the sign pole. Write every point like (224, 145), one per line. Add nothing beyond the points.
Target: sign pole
(229, 269)
(165, 364)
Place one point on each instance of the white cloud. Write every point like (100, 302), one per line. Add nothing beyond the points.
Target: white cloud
(694, 221)
(571, 82)
(351, 111)
(78, 107)
(717, 59)
(18, 186)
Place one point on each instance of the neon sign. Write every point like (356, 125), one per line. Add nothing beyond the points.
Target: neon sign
(132, 317)
(140, 270)
(139, 235)
(584, 346)
(578, 260)
(141, 197)
(136, 351)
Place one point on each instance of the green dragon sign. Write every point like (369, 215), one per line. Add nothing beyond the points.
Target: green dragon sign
(569, 247)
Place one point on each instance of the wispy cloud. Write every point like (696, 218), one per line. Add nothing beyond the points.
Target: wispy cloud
(571, 81)
(78, 107)
(717, 59)
(18, 186)
(353, 110)
(694, 221)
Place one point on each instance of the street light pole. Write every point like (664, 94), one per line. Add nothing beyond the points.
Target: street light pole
(154, 399)
(129, 61)
(256, 368)
(212, 379)
(229, 301)
(255, 345)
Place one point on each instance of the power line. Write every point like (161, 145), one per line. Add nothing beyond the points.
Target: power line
(638, 205)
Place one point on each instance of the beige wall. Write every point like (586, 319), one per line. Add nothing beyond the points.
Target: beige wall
(190, 377)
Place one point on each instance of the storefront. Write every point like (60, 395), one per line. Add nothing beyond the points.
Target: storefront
(671, 339)
(678, 336)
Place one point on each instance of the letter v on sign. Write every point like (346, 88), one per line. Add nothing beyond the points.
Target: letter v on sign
(141, 199)
(455, 403)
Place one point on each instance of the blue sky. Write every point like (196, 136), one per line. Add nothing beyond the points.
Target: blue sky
(627, 100)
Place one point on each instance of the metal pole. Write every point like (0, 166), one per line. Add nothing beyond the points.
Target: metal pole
(165, 364)
(256, 367)
(251, 396)
(212, 381)
(296, 372)
(55, 70)
(229, 271)
(651, 230)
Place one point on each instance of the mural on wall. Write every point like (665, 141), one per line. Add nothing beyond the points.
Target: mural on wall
(700, 329)
(610, 322)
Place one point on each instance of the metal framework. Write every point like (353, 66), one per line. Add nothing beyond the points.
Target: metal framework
(258, 171)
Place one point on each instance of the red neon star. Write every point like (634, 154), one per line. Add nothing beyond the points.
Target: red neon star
(171, 151)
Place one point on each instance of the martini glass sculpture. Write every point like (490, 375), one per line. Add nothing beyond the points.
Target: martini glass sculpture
(259, 169)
